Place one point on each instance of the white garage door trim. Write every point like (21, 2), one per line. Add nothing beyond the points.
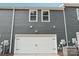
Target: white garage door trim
(77, 36)
(38, 35)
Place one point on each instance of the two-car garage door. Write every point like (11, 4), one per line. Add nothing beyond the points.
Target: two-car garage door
(35, 43)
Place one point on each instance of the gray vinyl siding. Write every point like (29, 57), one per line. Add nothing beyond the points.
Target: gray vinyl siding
(72, 23)
(22, 24)
(5, 24)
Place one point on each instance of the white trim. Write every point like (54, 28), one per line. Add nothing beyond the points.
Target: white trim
(77, 13)
(65, 27)
(15, 45)
(34, 35)
(36, 16)
(77, 35)
(42, 16)
(13, 16)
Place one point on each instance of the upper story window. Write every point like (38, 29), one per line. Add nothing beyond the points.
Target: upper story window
(77, 13)
(33, 16)
(45, 15)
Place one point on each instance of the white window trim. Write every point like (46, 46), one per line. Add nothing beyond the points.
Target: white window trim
(77, 14)
(36, 16)
(42, 16)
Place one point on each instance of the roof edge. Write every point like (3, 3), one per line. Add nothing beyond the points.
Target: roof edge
(45, 8)
(71, 5)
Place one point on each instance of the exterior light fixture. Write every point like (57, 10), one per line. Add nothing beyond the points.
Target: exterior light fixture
(31, 27)
(54, 26)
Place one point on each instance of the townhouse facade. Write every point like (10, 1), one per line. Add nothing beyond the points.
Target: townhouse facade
(20, 26)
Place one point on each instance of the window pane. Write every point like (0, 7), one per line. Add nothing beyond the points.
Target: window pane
(45, 18)
(45, 12)
(33, 18)
(33, 12)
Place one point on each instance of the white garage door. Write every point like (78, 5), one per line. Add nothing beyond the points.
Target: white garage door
(35, 43)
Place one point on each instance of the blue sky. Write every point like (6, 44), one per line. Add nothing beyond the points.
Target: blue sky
(32, 4)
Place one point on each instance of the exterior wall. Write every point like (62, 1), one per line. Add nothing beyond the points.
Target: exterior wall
(72, 23)
(5, 24)
(22, 24)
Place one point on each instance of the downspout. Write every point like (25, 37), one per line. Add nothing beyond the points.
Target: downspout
(65, 27)
(12, 27)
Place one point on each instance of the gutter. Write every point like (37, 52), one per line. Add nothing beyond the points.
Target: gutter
(12, 27)
(65, 27)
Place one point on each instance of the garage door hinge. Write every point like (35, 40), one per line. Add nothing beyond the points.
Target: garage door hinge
(17, 39)
(17, 49)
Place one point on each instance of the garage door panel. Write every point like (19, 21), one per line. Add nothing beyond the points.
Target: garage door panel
(45, 44)
(36, 44)
(25, 45)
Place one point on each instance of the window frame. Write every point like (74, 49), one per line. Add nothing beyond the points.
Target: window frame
(44, 15)
(31, 15)
(77, 13)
